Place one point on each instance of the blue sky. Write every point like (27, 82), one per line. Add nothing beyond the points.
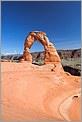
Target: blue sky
(60, 20)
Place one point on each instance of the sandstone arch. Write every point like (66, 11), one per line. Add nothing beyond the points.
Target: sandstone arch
(51, 55)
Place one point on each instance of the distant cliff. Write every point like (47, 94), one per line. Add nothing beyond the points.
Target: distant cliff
(64, 54)
(70, 59)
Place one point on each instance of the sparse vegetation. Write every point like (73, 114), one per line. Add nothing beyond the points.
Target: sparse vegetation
(69, 58)
(73, 62)
(38, 62)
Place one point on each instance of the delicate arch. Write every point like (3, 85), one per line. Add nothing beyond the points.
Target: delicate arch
(51, 55)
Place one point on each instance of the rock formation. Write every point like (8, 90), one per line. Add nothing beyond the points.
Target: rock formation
(30, 92)
(51, 55)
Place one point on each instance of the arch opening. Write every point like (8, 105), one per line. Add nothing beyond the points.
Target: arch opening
(51, 55)
(36, 47)
(38, 53)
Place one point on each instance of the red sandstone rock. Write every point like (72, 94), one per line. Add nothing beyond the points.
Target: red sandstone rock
(4, 60)
(31, 92)
(51, 54)
(27, 56)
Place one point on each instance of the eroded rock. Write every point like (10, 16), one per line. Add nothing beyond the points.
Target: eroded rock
(51, 55)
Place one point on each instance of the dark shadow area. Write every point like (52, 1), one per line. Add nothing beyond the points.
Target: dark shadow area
(72, 71)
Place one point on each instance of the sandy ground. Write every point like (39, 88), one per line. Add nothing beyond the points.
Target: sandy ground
(31, 92)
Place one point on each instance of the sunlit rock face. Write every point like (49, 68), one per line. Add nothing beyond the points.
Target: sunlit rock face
(51, 55)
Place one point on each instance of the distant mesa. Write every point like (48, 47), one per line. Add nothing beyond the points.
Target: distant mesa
(51, 55)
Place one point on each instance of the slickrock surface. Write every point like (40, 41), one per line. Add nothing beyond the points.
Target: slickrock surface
(31, 92)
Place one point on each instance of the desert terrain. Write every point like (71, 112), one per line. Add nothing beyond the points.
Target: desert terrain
(70, 59)
(32, 92)
(40, 60)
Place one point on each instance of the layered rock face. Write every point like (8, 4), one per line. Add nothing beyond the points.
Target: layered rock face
(51, 55)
